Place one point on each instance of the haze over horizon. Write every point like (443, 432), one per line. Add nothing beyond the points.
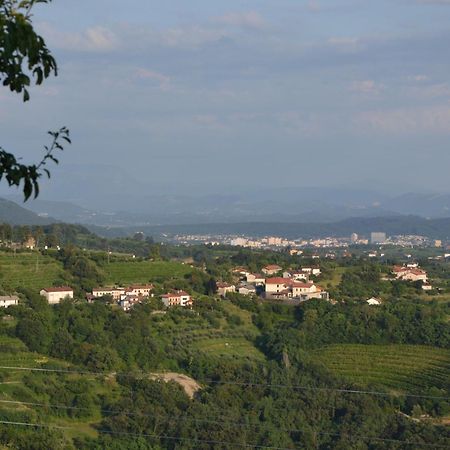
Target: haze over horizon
(232, 97)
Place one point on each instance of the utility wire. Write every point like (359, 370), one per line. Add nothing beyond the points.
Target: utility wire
(205, 441)
(233, 383)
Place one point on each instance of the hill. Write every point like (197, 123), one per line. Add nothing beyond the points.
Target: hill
(14, 214)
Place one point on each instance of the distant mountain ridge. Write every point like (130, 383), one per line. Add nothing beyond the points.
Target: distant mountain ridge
(14, 214)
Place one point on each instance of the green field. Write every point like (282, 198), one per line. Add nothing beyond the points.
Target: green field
(29, 270)
(404, 367)
(122, 273)
(229, 347)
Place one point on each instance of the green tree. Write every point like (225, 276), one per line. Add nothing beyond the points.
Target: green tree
(23, 56)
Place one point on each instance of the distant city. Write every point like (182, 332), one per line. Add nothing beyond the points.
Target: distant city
(274, 242)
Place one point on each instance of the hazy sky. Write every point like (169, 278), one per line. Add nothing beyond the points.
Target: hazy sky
(207, 94)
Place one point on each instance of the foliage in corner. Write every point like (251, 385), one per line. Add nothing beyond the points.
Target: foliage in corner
(24, 55)
(15, 173)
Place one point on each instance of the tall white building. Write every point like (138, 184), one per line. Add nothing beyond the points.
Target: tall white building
(377, 237)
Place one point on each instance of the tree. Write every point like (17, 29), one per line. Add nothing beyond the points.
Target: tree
(23, 55)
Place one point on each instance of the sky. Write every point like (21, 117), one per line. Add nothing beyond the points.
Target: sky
(225, 96)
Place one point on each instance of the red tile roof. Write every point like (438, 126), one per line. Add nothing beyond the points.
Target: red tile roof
(58, 289)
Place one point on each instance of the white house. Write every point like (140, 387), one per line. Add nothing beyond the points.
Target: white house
(128, 301)
(246, 289)
(8, 300)
(115, 293)
(54, 295)
(287, 288)
(409, 274)
(177, 298)
(373, 301)
(142, 290)
(255, 278)
(271, 269)
(224, 288)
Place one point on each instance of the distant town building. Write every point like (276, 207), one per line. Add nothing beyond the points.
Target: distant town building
(377, 237)
(54, 295)
(8, 300)
(354, 238)
(438, 243)
(115, 293)
(255, 278)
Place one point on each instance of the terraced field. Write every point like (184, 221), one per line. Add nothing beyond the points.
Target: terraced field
(404, 367)
(28, 270)
(122, 272)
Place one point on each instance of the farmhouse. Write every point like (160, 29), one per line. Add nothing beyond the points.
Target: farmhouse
(142, 290)
(8, 300)
(287, 288)
(246, 289)
(54, 295)
(223, 288)
(128, 301)
(255, 278)
(410, 274)
(271, 269)
(177, 298)
(115, 293)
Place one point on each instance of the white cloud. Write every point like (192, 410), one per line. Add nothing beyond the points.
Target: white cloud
(249, 19)
(94, 39)
(433, 119)
(161, 79)
(418, 78)
(367, 87)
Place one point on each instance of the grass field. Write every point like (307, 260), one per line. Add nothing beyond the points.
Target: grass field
(122, 273)
(28, 270)
(229, 347)
(403, 367)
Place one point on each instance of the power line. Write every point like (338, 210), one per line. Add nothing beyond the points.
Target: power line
(233, 383)
(205, 441)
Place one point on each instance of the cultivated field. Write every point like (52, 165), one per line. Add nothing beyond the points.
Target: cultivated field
(29, 270)
(121, 273)
(404, 367)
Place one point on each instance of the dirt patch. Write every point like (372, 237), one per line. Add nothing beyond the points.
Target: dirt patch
(190, 386)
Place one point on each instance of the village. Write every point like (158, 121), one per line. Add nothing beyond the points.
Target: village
(273, 284)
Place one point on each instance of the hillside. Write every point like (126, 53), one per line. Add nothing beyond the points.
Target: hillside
(14, 214)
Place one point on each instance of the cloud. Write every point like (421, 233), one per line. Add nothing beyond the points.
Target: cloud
(161, 79)
(94, 39)
(418, 78)
(433, 119)
(249, 19)
(367, 87)
(313, 6)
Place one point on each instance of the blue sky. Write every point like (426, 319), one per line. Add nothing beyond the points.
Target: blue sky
(224, 95)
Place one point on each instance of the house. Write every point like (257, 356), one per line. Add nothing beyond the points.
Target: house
(241, 271)
(30, 243)
(314, 270)
(128, 301)
(271, 269)
(373, 301)
(8, 300)
(409, 274)
(223, 288)
(246, 289)
(177, 298)
(427, 286)
(287, 288)
(54, 295)
(296, 275)
(115, 293)
(142, 290)
(255, 278)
